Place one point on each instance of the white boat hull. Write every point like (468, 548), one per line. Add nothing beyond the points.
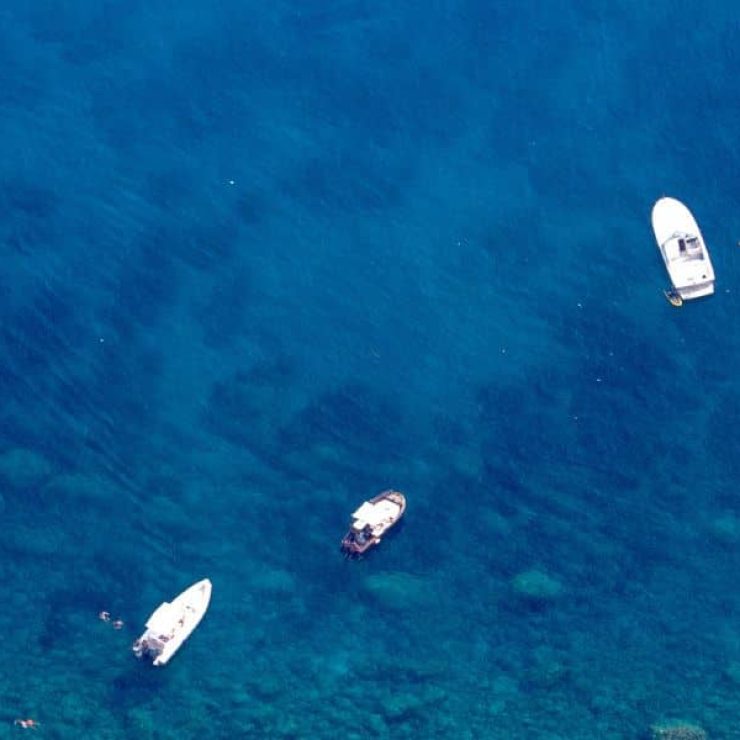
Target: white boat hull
(683, 249)
(173, 622)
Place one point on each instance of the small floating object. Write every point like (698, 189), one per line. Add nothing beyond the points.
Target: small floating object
(372, 520)
(172, 623)
(673, 297)
(683, 250)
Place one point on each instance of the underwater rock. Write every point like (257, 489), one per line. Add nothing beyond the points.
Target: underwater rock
(502, 690)
(21, 468)
(732, 672)
(494, 524)
(467, 462)
(399, 590)
(726, 529)
(267, 687)
(403, 705)
(677, 731)
(536, 587)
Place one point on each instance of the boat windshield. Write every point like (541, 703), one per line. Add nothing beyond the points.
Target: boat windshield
(685, 247)
(693, 247)
(154, 646)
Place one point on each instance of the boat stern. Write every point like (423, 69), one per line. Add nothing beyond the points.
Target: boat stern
(690, 292)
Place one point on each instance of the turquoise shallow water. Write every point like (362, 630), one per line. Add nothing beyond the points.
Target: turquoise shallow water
(262, 261)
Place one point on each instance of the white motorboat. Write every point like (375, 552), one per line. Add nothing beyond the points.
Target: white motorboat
(683, 250)
(372, 520)
(172, 623)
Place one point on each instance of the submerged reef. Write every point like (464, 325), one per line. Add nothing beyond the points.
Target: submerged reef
(536, 588)
(677, 731)
(22, 469)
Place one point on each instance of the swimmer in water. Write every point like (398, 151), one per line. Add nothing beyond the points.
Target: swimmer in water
(27, 724)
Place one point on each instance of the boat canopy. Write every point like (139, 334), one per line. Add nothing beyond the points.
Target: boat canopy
(375, 514)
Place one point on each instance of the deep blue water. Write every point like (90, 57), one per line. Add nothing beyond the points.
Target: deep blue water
(264, 260)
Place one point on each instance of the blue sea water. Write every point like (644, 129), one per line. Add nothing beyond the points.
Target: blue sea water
(264, 260)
